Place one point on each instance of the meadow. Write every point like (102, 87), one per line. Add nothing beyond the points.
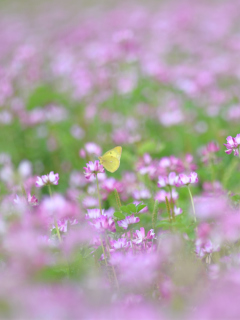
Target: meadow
(152, 230)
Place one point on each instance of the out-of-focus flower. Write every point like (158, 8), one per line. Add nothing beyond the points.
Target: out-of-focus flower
(64, 223)
(141, 194)
(92, 169)
(93, 214)
(120, 243)
(208, 153)
(90, 148)
(232, 145)
(184, 180)
(110, 184)
(162, 194)
(103, 223)
(49, 179)
(25, 168)
(128, 220)
(32, 200)
(167, 181)
(177, 211)
(140, 236)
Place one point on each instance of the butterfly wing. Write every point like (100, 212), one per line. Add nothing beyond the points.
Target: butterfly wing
(115, 152)
(110, 163)
(111, 159)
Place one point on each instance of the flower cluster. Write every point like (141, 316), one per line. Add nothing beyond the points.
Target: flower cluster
(49, 179)
(178, 181)
(92, 169)
(232, 145)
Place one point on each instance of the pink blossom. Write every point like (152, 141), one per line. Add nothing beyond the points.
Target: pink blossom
(49, 179)
(110, 184)
(177, 211)
(92, 169)
(103, 223)
(32, 200)
(167, 181)
(162, 194)
(232, 145)
(184, 180)
(120, 243)
(140, 236)
(128, 220)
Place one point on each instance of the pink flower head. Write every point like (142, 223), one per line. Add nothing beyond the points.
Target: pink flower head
(128, 220)
(49, 179)
(92, 169)
(103, 223)
(32, 200)
(208, 153)
(120, 243)
(162, 194)
(232, 145)
(93, 214)
(167, 181)
(90, 148)
(177, 211)
(184, 180)
(140, 235)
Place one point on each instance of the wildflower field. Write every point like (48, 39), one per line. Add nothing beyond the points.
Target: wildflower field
(119, 160)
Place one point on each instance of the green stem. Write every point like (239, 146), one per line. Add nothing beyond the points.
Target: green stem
(191, 197)
(171, 202)
(104, 254)
(168, 209)
(118, 201)
(113, 269)
(154, 214)
(55, 221)
(98, 192)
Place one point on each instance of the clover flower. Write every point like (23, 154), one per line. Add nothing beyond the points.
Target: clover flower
(32, 200)
(128, 220)
(120, 243)
(46, 180)
(232, 145)
(177, 211)
(103, 223)
(164, 181)
(184, 180)
(140, 236)
(92, 169)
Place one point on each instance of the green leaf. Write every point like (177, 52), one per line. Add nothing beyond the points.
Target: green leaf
(140, 207)
(132, 207)
(125, 209)
(119, 215)
(164, 224)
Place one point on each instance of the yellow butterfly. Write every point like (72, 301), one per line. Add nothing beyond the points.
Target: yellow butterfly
(111, 159)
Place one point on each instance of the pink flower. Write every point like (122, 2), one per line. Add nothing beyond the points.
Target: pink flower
(92, 169)
(120, 243)
(208, 153)
(90, 148)
(93, 214)
(167, 181)
(32, 200)
(177, 211)
(103, 223)
(162, 194)
(184, 180)
(110, 184)
(232, 145)
(128, 220)
(140, 235)
(49, 179)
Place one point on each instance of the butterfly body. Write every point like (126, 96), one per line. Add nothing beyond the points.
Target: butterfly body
(111, 159)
